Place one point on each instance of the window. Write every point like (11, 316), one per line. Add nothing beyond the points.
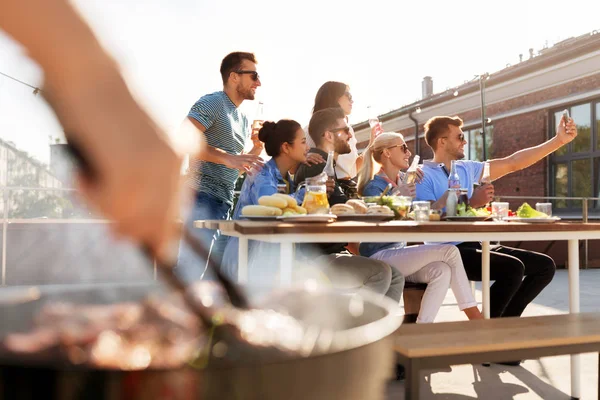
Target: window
(575, 167)
(475, 143)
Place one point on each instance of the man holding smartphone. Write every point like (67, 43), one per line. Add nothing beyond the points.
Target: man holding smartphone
(510, 293)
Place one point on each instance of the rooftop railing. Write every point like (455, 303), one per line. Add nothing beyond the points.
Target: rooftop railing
(74, 213)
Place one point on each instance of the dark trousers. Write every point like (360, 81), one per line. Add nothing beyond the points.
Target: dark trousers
(519, 275)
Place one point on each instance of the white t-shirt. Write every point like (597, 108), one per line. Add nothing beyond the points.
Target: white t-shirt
(346, 163)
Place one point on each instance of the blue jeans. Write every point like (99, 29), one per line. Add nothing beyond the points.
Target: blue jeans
(190, 266)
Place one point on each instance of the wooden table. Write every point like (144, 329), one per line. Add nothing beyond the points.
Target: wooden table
(287, 234)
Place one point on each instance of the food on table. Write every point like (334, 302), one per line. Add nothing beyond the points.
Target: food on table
(434, 216)
(273, 201)
(463, 210)
(342, 209)
(264, 211)
(371, 199)
(359, 206)
(274, 205)
(300, 210)
(401, 210)
(526, 211)
(291, 202)
(399, 205)
(380, 210)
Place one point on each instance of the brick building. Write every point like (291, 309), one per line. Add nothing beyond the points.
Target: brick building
(523, 102)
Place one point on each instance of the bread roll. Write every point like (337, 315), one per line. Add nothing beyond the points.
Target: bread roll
(263, 211)
(301, 210)
(291, 202)
(359, 206)
(380, 210)
(341, 209)
(273, 201)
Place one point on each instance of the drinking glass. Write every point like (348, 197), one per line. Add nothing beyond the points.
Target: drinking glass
(402, 205)
(374, 120)
(499, 210)
(546, 208)
(421, 209)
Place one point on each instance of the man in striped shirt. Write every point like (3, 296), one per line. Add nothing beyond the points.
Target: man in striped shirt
(217, 117)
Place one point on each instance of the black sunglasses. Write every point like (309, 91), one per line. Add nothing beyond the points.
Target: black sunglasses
(253, 74)
(461, 137)
(403, 145)
(348, 95)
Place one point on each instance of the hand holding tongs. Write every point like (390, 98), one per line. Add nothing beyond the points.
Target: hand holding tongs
(167, 267)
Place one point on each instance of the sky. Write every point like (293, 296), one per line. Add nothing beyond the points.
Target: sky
(170, 52)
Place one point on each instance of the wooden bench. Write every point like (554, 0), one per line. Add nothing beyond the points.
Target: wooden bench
(429, 346)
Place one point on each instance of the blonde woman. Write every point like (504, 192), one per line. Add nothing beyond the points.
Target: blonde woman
(439, 265)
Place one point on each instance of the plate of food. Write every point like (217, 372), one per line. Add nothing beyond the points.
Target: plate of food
(526, 213)
(269, 208)
(467, 218)
(365, 217)
(533, 220)
(308, 218)
(259, 217)
(467, 213)
(357, 210)
(399, 205)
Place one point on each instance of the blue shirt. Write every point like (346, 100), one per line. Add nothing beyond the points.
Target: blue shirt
(226, 129)
(435, 181)
(375, 187)
(263, 183)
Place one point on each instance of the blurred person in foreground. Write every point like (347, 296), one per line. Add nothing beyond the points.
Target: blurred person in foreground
(136, 170)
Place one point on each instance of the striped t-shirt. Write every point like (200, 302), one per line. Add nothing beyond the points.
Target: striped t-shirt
(227, 129)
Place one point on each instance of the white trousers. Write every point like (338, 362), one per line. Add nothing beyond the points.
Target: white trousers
(440, 267)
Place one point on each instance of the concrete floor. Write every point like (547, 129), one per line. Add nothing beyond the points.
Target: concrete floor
(547, 378)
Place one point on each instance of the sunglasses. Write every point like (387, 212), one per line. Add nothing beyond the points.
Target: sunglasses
(403, 145)
(461, 137)
(345, 129)
(348, 95)
(253, 74)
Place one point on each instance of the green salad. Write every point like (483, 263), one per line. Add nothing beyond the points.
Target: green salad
(526, 211)
(462, 210)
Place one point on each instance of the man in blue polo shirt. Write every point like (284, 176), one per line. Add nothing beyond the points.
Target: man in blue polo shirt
(226, 130)
(510, 293)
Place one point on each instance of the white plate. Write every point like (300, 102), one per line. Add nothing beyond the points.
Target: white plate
(365, 217)
(308, 218)
(260, 217)
(467, 218)
(533, 220)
